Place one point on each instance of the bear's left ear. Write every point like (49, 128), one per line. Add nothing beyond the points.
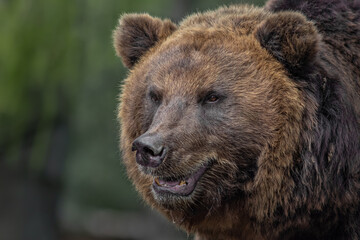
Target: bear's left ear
(290, 38)
(137, 33)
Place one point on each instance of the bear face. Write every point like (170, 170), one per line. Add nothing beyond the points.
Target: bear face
(212, 99)
(204, 113)
(214, 115)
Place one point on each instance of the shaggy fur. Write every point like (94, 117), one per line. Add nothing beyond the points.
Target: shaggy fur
(281, 138)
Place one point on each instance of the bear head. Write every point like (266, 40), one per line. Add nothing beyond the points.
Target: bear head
(210, 114)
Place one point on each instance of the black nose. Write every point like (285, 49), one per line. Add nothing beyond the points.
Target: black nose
(150, 150)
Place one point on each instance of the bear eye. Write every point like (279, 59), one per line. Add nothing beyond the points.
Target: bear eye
(212, 98)
(155, 97)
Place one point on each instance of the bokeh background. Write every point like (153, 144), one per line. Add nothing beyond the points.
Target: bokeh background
(61, 175)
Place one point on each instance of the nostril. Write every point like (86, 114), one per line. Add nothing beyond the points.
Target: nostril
(153, 152)
(148, 151)
(133, 147)
(156, 160)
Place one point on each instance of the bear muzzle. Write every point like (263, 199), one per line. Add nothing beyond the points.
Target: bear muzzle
(150, 154)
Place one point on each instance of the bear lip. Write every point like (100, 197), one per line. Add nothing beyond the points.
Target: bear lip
(183, 187)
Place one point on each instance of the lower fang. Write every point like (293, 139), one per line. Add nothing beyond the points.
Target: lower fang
(157, 181)
(182, 183)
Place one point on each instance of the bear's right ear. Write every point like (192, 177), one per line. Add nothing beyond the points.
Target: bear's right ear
(137, 33)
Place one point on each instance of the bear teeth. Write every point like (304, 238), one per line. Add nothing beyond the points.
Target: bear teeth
(183, 183)
(157, 181)
(164, 184)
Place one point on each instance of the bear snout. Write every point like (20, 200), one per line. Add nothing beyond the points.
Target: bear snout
(150, 150)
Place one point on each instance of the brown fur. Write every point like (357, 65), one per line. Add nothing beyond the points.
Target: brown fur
(252, 139)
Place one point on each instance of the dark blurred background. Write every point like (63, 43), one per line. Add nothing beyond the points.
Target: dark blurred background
(61, 175)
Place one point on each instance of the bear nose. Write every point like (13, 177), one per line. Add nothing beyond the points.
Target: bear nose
(150, 151)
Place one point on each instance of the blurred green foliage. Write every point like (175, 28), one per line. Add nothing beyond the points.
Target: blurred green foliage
(38, 59)
(58, 70)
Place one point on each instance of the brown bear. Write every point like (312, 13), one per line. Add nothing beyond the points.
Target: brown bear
(244, 122)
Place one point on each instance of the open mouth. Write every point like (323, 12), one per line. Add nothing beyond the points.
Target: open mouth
(181, 187)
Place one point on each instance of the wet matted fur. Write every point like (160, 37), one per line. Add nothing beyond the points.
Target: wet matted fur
(258, 109)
